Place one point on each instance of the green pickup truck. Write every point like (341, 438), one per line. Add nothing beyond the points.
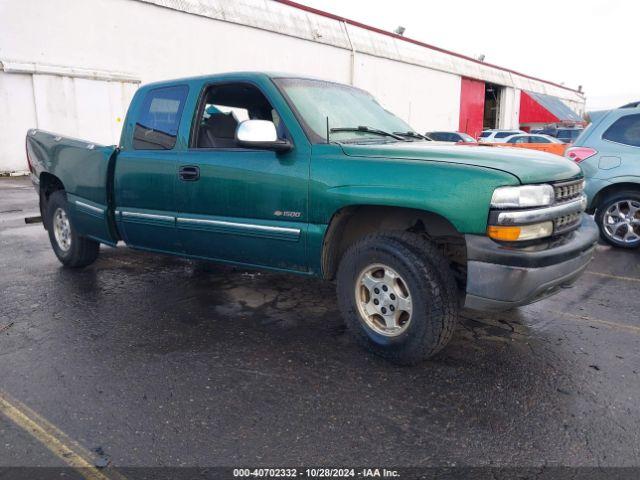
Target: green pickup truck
(313, 177)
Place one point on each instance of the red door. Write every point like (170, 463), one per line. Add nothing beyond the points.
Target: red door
(471, 107)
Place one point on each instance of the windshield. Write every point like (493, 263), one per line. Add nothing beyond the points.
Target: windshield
(346, 107)
(467, 138)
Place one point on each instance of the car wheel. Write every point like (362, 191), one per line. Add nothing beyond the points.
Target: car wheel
(618, 218)
(398, 296)
(71, 249)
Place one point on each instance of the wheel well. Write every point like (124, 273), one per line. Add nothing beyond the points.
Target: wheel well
(350, 224)
(48, 184)
(605, 192)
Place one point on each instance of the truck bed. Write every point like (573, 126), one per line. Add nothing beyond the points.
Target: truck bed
(85, 170)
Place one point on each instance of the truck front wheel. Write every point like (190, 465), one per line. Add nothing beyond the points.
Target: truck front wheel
(71, 249)
(398, 296)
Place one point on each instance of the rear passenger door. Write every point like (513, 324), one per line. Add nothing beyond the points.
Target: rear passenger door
(620, 150)
(146, 170)
(238, 204)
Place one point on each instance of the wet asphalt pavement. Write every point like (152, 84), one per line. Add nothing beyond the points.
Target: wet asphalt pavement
(167, 362)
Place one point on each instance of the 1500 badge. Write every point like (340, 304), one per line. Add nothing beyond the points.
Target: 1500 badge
(280, 213)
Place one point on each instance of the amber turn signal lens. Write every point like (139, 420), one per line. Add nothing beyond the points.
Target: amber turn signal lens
(522, 233)
(505, 234)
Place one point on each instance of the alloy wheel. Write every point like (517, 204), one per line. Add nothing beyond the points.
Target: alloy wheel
(62, 229)
(621, 221)
(384, 300)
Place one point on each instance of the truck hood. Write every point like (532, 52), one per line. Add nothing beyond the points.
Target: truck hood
(529, 166)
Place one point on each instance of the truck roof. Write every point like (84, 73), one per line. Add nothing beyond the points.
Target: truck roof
(231, 75)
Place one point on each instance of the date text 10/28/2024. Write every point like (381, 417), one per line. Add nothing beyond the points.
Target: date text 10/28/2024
(315, 473)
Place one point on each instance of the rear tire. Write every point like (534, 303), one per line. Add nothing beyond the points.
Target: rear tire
(71, 249)
(398, 296)
(618, 218)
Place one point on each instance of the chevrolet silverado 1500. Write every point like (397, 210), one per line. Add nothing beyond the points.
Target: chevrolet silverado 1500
(316, 178)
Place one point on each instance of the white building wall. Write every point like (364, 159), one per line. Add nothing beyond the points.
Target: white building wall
(426, 99)
(17, 113)
(73, 67)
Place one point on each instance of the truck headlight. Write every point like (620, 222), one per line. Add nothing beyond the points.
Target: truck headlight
(523, 196)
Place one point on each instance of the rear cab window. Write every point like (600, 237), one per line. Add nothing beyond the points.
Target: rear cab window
(159, 117)
(625, 130)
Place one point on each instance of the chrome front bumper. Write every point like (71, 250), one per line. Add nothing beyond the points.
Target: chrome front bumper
(501, 278)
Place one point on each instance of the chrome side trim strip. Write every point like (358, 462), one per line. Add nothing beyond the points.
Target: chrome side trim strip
(247, 226)
(149, 216)
(89, 207)
(542, 214)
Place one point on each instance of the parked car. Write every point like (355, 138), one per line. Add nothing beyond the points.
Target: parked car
(565, 135)
(609, 153)
(410, 230)
(451, 137)
(496, 136)
(542, 143)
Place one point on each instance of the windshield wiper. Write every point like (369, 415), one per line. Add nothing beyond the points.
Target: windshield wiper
(366, 129)
(412, 134)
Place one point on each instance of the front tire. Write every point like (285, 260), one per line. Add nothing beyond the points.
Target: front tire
(618, 218)
(71, 249)
(398, 296)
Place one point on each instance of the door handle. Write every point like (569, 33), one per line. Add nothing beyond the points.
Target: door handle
(189, 173)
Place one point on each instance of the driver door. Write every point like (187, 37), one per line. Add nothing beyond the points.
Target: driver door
(241, 205)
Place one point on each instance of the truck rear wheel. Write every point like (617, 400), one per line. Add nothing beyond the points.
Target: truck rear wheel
(398, 296)
(618, 217)
(71, 249)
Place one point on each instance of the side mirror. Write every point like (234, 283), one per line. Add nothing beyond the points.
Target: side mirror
(261, 134)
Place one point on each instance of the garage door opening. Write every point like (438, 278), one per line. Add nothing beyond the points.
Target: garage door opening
(492, 95)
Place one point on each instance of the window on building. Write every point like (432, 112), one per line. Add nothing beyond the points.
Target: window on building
(625, 130)
(159, 118)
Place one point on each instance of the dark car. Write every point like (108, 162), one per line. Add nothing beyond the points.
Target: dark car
(565, 135)
(453, 137)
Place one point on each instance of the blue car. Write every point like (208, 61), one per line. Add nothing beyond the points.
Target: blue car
(608, 152)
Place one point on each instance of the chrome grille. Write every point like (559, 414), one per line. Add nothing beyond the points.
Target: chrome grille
(567, 191)
(566, 223)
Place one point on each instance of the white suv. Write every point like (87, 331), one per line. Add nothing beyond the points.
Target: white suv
(497, 135)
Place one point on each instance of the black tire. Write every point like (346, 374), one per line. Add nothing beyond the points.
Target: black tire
(606, 203)
(430, 282)
(81, 251)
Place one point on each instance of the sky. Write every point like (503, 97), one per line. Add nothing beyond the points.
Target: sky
(592, 43)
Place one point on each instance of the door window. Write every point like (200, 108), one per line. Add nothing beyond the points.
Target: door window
(223, 108)
(159, 118)
(625, 130)
(503, 134)
(538, 139)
